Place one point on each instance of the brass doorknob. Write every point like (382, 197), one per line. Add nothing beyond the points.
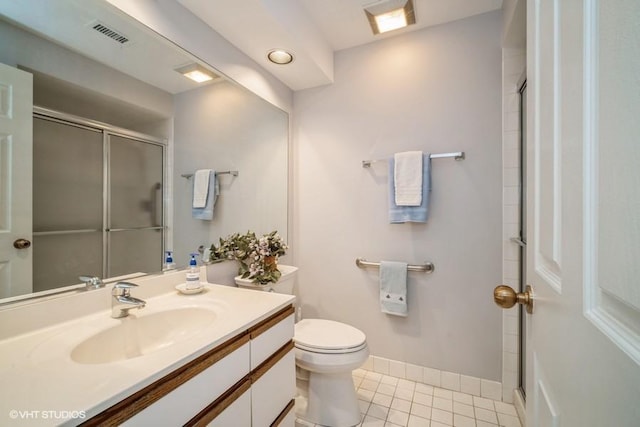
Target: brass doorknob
(21, 244)
(506, 297)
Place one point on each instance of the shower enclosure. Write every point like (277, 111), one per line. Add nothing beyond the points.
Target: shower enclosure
(98, 205)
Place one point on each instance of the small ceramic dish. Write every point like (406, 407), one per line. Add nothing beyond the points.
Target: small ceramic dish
(182, 288)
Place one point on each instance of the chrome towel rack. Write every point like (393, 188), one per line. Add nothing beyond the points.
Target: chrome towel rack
(427, 267)
(459, 155)
(234, 173)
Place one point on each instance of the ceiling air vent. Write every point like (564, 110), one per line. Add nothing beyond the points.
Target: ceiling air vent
(109, 32)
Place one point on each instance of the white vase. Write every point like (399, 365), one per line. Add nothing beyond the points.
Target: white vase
(250, 284)
(284, 285)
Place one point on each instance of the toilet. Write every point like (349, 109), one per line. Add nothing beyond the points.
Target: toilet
(326, 353)
(329, 351)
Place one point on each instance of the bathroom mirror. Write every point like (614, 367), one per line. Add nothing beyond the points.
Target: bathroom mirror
(97, 68)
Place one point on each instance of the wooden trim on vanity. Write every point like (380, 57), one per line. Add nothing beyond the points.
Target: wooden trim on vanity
(140, 400)
(210, 413)
(266, 324)
(272, 360)
(284, 413)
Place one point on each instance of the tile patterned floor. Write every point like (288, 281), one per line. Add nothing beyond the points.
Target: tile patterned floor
(392, 402)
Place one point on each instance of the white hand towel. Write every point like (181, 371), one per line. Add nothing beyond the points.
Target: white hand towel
(206, 213)
(408, 178)
(201, 188)
(402, 214)
(393, 288)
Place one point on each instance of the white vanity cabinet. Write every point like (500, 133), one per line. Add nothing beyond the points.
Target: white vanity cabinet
(186, 401)
(249, 380)
(273, 382)
(273, 391)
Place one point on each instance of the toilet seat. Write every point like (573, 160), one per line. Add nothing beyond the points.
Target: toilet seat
(328, 337)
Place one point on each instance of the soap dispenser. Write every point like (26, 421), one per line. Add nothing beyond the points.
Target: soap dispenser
(193, 273)
(168, 262)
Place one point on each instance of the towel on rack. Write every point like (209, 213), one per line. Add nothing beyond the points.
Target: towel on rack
(402, 214)
(407, 178)
(393, 288)
(200, 187)
(206, 212)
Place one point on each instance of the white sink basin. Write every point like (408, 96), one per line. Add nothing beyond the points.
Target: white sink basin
(140, 334)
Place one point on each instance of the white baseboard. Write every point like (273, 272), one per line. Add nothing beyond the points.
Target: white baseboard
(435, 377)
(519, 403)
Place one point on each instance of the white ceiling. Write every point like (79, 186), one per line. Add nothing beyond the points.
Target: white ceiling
(314, 29)
(344, 25)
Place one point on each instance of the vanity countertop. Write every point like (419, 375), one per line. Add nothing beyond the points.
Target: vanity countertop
(43, 385)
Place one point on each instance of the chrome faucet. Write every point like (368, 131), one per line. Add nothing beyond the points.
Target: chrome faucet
(91, 282)
(122, 301)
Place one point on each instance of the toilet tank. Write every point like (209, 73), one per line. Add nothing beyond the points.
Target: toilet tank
(288, 279)
(283, 286)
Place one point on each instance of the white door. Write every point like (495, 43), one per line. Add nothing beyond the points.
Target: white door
(16, 129)
(583, 357)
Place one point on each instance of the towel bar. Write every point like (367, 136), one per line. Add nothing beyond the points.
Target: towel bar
(457, 155)
(189, 175)
(427, 267)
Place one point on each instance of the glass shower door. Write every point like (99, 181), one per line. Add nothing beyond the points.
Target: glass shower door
(67, 203)
(135, 212)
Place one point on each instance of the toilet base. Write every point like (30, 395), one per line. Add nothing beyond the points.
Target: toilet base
(331, 400)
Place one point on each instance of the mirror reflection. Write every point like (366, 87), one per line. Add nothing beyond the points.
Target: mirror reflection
(105, 135)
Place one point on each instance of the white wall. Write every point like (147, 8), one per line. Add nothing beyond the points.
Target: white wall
(225, 127)
(436, 90)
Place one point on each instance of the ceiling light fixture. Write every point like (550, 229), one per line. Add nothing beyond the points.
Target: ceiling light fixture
(389, 15)
(280, 56)
(197, 73)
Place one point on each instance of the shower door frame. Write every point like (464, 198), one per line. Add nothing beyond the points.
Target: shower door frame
(522, 240)
(107, 130)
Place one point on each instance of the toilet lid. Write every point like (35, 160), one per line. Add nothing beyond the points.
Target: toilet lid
(327, 336)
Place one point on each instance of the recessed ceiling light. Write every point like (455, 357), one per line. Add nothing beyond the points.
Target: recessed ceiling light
(389, 15)
(280, 56)
(197, 73)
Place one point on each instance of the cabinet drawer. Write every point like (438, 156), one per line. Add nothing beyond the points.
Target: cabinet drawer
(268, 337)
(238, 414)
(273, 387)
(182, 404)
(289, 420)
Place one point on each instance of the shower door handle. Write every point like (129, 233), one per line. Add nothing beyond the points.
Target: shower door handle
(21, 244)
(506, 297)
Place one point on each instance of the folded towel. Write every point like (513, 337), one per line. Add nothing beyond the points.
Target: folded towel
(408, 178)
(206, 212)
(201, 187)
(401, 214)
(393, 288)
